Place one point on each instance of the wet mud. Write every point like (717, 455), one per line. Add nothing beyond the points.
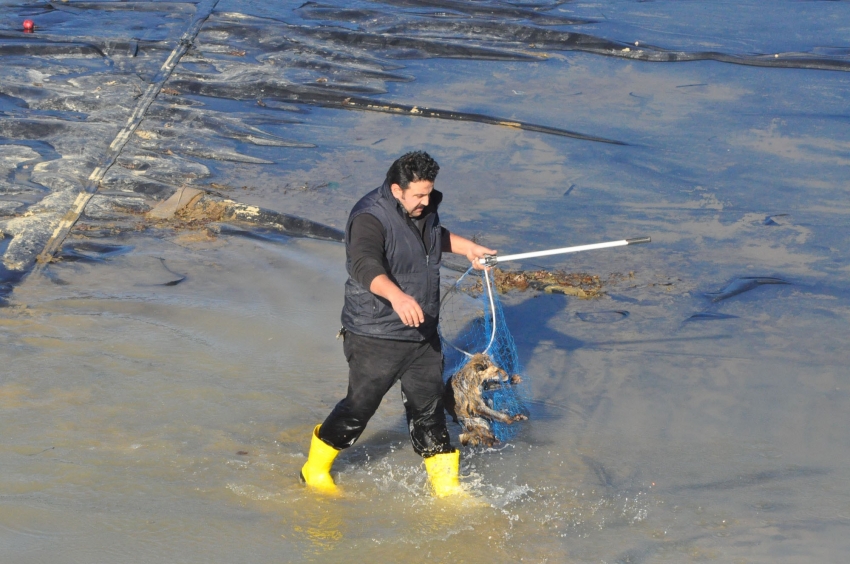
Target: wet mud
(163, 375)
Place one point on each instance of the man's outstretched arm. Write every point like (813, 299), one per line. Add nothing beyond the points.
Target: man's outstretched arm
(460, 245)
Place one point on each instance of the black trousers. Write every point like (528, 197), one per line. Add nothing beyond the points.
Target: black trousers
(374, 366)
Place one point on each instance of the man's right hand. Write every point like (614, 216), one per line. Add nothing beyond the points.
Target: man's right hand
(408, 310)
(405, 306)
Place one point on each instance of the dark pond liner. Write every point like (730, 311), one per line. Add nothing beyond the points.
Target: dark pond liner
(168, 7)
(319, 97)
(710, 316)
(279, 234)
(180, 277)
(31, 129)
(404, 47)
(41, 48)
(314, 10)
(744, 284)
(507, 35)
(774, 219)
(450, 39)
(92, 252)
(602, 316)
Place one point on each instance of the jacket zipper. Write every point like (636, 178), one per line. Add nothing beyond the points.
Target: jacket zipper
(413, 228)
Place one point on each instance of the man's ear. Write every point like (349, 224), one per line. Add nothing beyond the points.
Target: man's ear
(397, 191)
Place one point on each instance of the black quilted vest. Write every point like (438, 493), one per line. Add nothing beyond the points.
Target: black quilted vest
(415, 269)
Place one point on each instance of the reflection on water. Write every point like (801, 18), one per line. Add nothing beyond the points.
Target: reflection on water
(161, 380)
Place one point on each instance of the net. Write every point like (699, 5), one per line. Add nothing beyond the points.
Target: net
(472, 322)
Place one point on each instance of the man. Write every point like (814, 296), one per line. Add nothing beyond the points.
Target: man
(393, 246)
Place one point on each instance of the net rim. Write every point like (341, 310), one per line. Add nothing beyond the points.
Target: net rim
(489, 285)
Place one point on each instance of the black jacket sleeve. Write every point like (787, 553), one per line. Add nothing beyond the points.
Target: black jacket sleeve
(367, 249)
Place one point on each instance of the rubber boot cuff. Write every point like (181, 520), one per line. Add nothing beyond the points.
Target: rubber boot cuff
(443, 471)
(316, 472)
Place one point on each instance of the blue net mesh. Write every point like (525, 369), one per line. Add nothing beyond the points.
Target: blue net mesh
(472, 321)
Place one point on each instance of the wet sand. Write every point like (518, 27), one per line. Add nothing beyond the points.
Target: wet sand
(162, 380)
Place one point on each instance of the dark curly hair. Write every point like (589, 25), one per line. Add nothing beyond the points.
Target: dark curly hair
(412, 167)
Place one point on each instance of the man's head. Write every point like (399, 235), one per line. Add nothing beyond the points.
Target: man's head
(411, 179)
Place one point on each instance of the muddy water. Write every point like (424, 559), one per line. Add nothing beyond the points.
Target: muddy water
(160, 383)
(157, 422)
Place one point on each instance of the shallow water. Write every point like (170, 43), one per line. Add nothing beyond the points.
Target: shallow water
(162, 382)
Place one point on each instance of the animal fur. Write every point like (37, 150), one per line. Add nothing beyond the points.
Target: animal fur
(464, 400)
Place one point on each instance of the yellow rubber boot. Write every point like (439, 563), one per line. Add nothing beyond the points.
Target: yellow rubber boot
(443, 470)
(316, 472)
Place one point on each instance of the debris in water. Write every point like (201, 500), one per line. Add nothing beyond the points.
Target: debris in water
(183, 197)
(579, 284)
(195, 209)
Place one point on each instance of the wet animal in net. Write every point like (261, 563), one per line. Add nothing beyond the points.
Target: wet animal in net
(465, 399)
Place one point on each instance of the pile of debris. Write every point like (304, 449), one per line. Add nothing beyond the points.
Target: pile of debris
(190, 208)
(579, 284)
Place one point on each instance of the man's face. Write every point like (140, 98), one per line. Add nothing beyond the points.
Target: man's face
(415, 198)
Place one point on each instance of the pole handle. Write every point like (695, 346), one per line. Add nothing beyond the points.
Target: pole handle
(489, 260)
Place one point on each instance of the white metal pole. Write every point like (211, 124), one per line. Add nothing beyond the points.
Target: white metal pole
(492, 260)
